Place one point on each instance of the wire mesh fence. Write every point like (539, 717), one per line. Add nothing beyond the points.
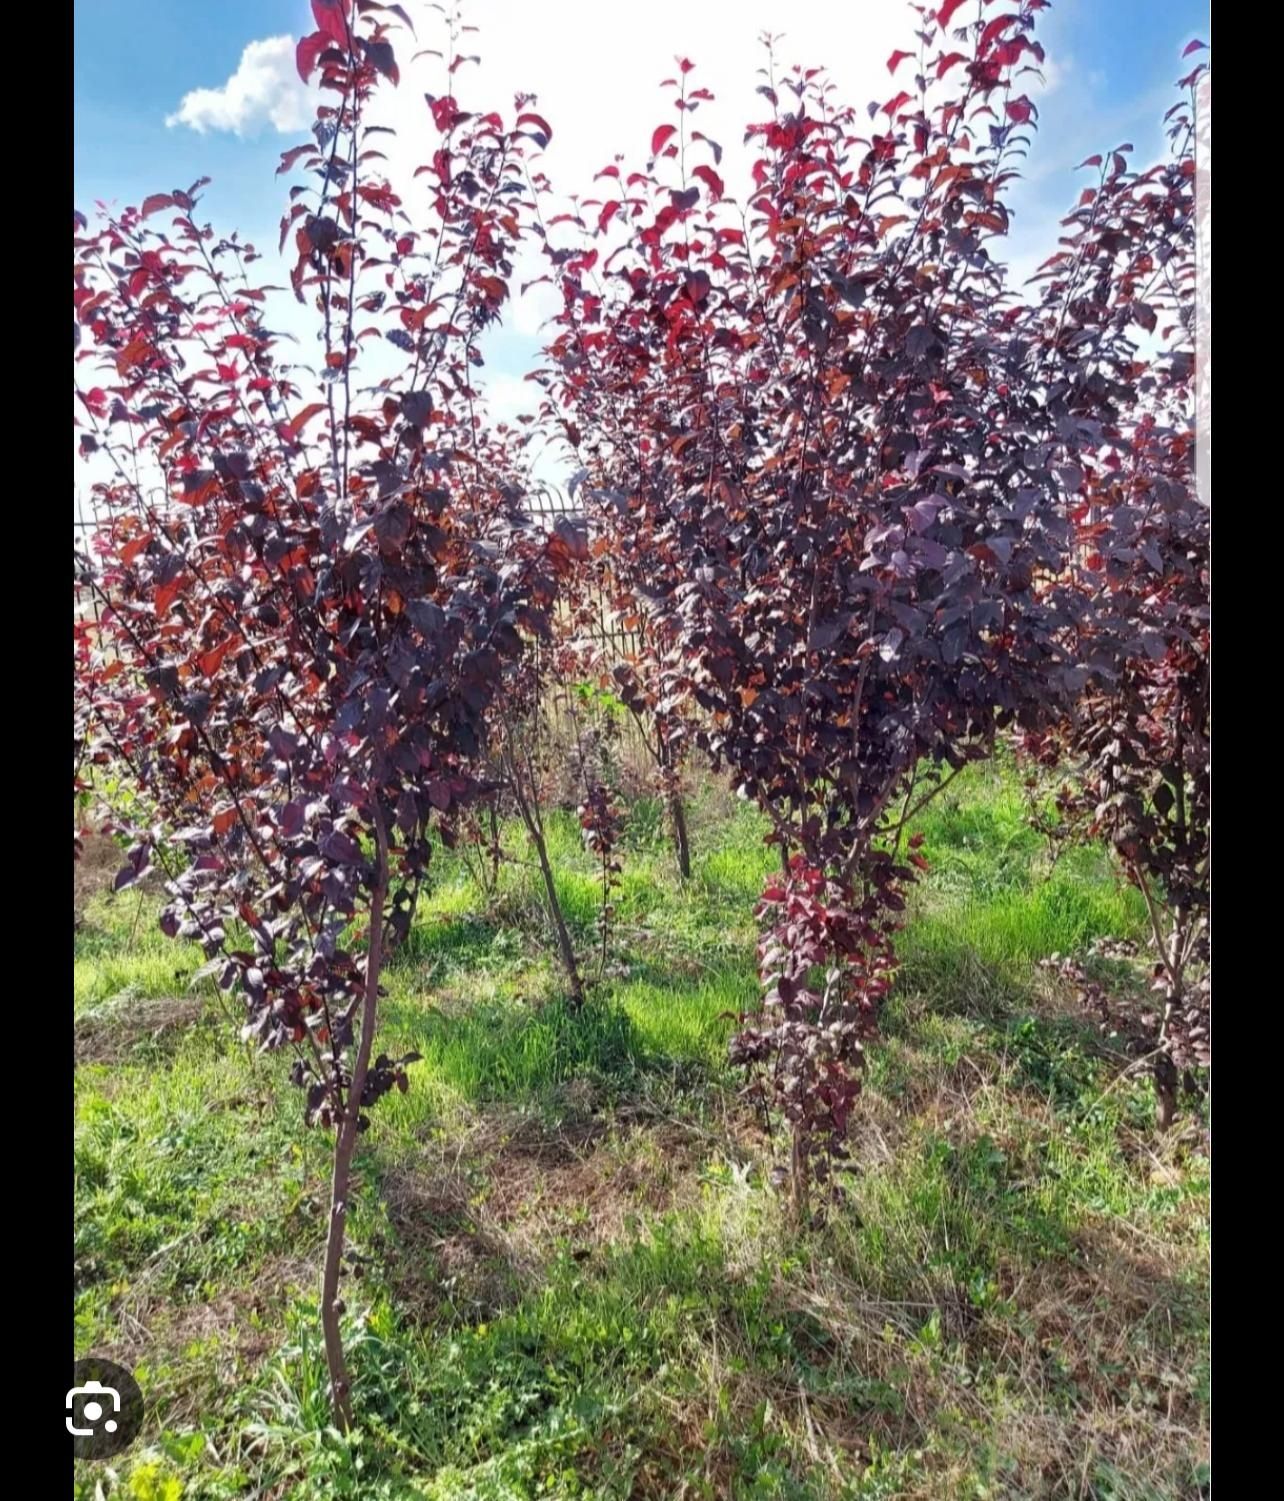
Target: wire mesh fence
(597, 616)
(609, 627)
(85, 605)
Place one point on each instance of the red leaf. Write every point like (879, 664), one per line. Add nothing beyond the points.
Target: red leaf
(331, 18)
(445, 113)
(892, 105)
(1090, 161)
(896, 59)
(210, 661)
(382, 59)
(945, 10)
(948, 61)
(157, 201)
(609, 211)
(307, 52)
(296, 424)
(288, 158)
(540, 123)
(136, 350)
(660, 136)
(1195, 46)
(1020, 110)
(993, 30)
(711, 180)
(165, 596)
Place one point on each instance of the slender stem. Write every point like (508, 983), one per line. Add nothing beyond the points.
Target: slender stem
(345, 1141)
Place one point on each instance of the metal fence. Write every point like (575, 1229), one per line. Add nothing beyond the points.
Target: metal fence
(85, 604)
(599, 618)
(602, 621)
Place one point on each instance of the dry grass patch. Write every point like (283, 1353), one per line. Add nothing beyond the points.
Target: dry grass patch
(112, 1035)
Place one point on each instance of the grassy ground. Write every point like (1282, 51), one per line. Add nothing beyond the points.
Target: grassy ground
(574, 1278)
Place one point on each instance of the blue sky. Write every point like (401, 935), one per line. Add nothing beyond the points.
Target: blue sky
(1112, 65)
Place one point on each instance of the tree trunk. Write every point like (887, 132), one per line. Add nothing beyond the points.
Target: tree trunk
(1170, 950)
(494, 846)
(681, 839)
(528, 807)
(799, 1188)
(565, 948)
(1165, 1092)
(344, 1143)
(1165, 1072)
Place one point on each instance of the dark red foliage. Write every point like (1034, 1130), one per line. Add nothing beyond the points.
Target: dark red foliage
(826, 963)
(841, 464)
(307, 594)
(301, 637)
(1137, 749)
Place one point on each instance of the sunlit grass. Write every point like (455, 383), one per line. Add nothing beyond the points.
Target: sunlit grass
(616, 1307)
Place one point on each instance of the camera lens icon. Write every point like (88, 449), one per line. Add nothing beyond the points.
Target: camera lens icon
(83, 1403)
(104, 1409)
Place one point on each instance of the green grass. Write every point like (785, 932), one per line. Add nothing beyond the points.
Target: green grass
(576, 1280)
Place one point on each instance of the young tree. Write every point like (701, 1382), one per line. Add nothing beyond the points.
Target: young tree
(299, 645)
(522, 757)
(637, 677)
(1137, 748)
(841, 457)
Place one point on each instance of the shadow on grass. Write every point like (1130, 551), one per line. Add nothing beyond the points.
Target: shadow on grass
(455, 941)
(957, 998)
(446, 1268)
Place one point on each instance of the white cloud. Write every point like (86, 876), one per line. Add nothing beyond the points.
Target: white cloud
(596, 79)
(597, 73)
(1055, 70)
(264, 90)
(508, 397)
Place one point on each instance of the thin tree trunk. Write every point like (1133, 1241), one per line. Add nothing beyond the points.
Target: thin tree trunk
(344, 1143)
(799, 1188)
(662, 753)
(1165, 1092)
(681, 838)
(529, 810)
(1165, 1070)
(494, 845)
(565, 947)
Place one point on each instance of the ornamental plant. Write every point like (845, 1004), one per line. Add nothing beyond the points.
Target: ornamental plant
(524, 753)
(299, 642)
(635, 676)
(1135, 755)
(844, 463)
